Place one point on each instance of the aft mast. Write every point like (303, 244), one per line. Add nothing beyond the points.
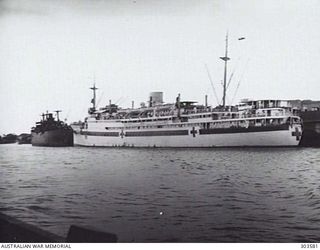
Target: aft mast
(225, 59)
(93, 101)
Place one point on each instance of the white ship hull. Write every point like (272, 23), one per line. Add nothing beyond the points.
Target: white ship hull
(191, 137)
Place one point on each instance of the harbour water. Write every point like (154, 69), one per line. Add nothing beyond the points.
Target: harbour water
(166, 195)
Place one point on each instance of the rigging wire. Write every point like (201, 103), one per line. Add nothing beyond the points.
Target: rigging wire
(99, 99)
(230, 78)
(235, 93)
(121, 100)
(210, 79)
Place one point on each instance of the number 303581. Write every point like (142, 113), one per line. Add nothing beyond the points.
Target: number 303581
(309, 245)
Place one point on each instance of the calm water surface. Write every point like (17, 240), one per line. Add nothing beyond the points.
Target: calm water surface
(157, 195)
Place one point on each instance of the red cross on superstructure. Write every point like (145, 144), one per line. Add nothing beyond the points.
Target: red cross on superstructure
(193, 132)
(122, 133)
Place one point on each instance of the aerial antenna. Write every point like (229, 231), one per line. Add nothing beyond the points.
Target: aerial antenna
(212, 85)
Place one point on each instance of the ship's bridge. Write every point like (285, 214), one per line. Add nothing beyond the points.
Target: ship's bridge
(262, 104)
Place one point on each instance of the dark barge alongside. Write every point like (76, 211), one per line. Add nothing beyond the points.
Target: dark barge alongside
(52, 133)
(311, 128)
(309, 111)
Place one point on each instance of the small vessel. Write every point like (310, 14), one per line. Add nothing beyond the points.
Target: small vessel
(251, 123)
(51, 132)
(24, 138)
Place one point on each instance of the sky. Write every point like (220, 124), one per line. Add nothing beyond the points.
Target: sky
(52, 50)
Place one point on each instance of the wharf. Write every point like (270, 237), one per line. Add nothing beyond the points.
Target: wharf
(13, 230)
(16, 231)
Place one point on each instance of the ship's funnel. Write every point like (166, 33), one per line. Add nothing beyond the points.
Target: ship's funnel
(156, 98)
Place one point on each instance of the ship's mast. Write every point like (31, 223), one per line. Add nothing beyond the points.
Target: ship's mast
(225, 59)
(178, 105)
(93, 101)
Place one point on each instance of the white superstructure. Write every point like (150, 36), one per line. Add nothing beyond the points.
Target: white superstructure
(185, 124)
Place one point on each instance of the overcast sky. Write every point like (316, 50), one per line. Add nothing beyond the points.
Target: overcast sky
(50, 51)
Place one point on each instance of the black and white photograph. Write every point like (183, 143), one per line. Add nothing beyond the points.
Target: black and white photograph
(159, 121)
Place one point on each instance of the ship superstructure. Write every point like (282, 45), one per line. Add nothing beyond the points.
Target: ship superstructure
(187, 124)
